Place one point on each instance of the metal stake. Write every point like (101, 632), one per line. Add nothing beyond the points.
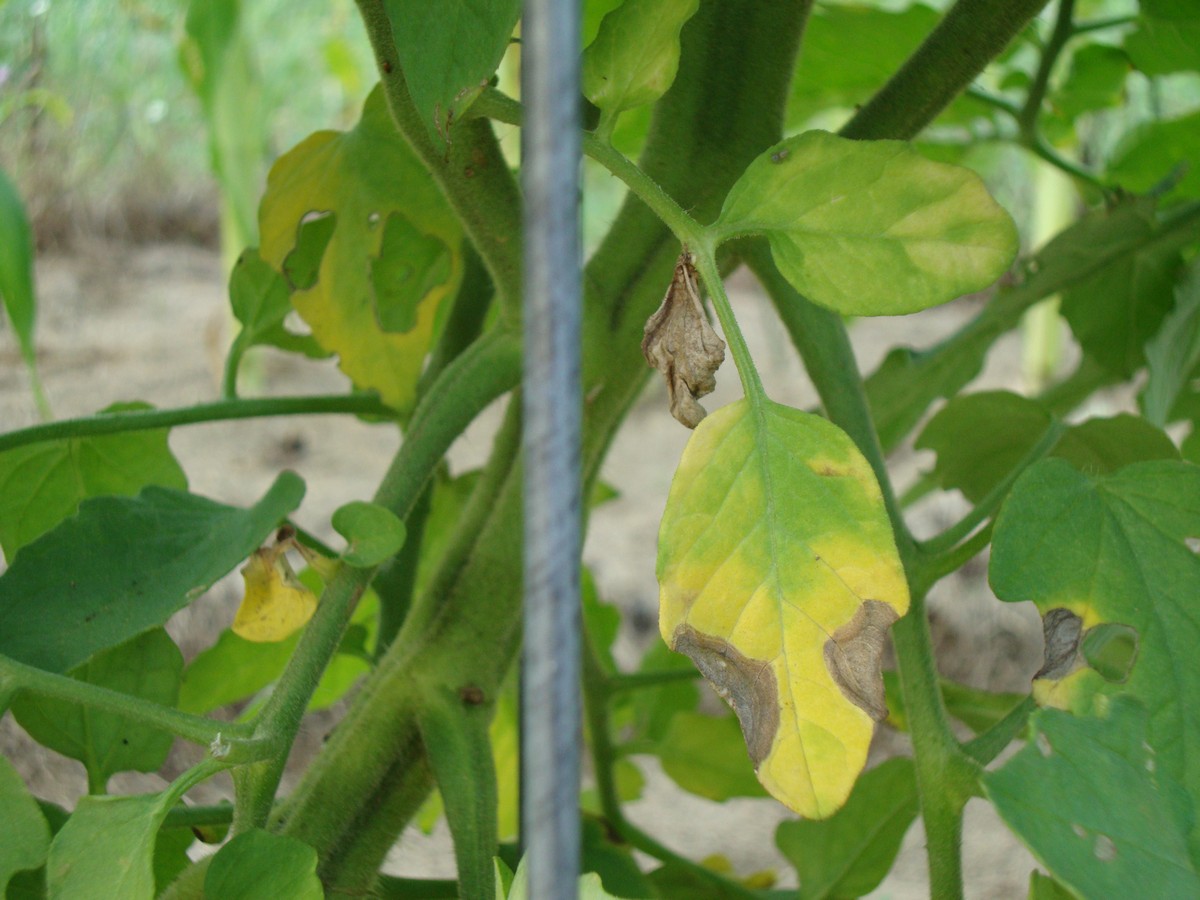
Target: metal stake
(551, 730)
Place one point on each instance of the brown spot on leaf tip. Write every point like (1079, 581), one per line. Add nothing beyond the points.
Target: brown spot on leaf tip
(1062, 630)
(747, 685)
(681, 344)
(853, 654)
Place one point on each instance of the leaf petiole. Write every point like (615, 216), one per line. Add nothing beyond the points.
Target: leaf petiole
(242, 745)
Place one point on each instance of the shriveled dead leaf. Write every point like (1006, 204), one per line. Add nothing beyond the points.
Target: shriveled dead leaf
(681, 344)
(276, 603)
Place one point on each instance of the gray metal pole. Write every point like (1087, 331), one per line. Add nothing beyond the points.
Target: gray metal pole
(551, 730)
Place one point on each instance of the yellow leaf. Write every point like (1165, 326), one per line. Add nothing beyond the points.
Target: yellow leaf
(275, 603)
(779, 577)
(385, 249)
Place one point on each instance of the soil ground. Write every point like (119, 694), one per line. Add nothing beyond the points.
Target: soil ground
(122, 322)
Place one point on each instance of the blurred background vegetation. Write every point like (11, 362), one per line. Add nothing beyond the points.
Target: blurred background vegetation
(103, 130)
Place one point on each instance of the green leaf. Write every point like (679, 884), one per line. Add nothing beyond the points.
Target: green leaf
(706, 755)
(908, 381)
(124, 565)
(448, 52)
(871, 227)
(42, 484)
(779, 576)
(1089, 798)
(1096, 80)
(1173, 354)
(1158, 151)
(850, 51)
(217, 60)
(849, 854)
(16, 275)
(1167, 38)
(1043, 887)
(365, 177)
(106, 848)
(613, 861)
(601, 621)
(409, 267)
(1111, 549)
(171, 856)
(147, 667)
(590, 886)
(260, 299)
(980, 438)
(259, 865)
(1115, 311)
(26, 833)
(636, 53)
(454, 728)
(373, 533)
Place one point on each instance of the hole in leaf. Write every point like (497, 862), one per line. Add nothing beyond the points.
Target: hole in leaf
(1104, 848)
(1111, 650)
(1193, 544)
(373, 220)
(1079, 830)
(300, 267)
(410, 265)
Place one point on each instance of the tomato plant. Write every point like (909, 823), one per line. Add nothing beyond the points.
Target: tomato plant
(786, 559)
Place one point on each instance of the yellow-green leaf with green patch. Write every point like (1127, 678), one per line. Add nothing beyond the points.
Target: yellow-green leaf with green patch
(779, 577)
(370, 286)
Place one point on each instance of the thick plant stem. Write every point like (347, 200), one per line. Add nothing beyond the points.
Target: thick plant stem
(366, 404)
(970, 35)
(490, 368)
(471, 171)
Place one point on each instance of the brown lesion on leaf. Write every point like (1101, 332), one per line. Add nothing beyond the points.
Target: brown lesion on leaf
(681, 344)
(1062, 630)
(853, 655)
(747, 685)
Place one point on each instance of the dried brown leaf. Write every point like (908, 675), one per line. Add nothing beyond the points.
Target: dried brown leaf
(681, 344)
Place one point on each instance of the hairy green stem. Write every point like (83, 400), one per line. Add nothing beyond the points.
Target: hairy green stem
(752, 385)
(935, 569)
(635, 681)
(471, 171)
(363, 404)
(495, 105)
(970, 35)
(199, 816)
(236, 741)
(987, 746)
(1034, 141)
(490, 368)
(1027, 119)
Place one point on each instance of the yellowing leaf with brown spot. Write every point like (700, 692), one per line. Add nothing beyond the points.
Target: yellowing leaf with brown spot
(779, 577)
(275, 603)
